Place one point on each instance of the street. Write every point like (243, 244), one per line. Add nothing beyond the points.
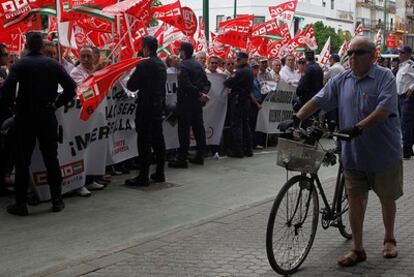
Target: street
(207, 221)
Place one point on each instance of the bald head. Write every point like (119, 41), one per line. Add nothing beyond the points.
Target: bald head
(361, 55)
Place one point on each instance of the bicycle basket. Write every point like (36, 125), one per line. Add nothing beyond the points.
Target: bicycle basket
(296, 156)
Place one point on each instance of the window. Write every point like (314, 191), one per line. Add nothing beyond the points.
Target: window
(259, 19)
(391, 24)
(296, 24)
(219, 18)
(332, 4)
(323, 3)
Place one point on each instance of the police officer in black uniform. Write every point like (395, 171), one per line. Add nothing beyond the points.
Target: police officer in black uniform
(311, 82)
(149, 78)
(5, 113)
(193, 87)
(241, 85)
(37, 98)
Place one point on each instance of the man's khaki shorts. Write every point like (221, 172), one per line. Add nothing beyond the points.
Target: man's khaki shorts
(388, 185)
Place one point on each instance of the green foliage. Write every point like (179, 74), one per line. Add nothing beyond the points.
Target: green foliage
(323, 32)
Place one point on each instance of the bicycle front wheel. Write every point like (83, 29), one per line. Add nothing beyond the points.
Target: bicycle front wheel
(292, 225)
(342, 210)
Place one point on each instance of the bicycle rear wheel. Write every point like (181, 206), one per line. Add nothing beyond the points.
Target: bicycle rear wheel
(292, 225)
(342, 210)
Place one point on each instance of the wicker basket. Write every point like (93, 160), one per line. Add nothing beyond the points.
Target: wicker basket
(296, 156)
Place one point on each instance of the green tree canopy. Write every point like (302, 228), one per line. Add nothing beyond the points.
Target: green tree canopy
(323, 32)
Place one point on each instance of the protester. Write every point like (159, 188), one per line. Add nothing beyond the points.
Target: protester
(334, 69)
(201, 57)
(172, 63)
(85, 67)
(395, 65)
(276, 67)
(301, 66)
(193, 87)
(264, 72)
(311, 82)
(229, 67)
(149, 78)
(4, 59)
(36, 102)
(79, 74)
(405, 90)
(372, 159)
(289, 73)
(257, 138)
(212, 64)
(241, 85)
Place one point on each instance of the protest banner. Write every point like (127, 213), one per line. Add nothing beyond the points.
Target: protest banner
(87, 147)
(276, 108)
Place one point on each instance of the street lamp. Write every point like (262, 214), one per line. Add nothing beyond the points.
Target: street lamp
(206, 18)
(385, 25)
(235, 9)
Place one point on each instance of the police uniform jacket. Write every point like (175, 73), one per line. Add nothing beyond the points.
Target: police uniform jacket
(310, 83)
(149, 78)
(241, 84)
(192, 82)
(38, 77)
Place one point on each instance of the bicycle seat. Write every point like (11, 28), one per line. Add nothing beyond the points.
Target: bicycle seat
(284, 125)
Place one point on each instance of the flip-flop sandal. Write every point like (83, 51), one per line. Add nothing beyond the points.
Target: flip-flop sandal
(357, 257)
(390, 255)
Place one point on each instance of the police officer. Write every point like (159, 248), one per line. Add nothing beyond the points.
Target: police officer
(311, 82)
(5, 113)
(149, 78)
(241, 85)
(36, 101)
(193, 87)
(405, 90)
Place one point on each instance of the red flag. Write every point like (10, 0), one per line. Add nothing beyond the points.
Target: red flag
(217, 48)
(79, 9)
(13, 12)
(137, 8)
(359, 31)
(95, 23)
(170, 14)
(95, 88)
(275, 47)
(285, 11)
(201, 40)
(268, 29)
(235, 32)
(190, 21)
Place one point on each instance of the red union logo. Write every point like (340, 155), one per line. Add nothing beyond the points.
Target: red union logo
(68, 170)
(141, 32)
(16, 6)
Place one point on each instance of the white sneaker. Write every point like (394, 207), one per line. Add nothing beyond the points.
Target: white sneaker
(84, 192)
(94, 186)
(259, 147)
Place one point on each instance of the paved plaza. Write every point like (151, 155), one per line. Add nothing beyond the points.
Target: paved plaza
(194, 226)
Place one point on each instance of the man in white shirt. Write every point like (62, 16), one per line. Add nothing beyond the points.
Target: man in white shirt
(289, 73)
(405, 90)
(212, 64)
(85, 68)
(276, 66)
(79, 74)
(335, 68)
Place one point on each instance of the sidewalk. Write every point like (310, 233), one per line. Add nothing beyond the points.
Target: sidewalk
(234, 245)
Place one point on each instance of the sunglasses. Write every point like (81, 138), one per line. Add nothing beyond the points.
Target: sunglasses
(213, 62)
(358, 52)
(230, 63)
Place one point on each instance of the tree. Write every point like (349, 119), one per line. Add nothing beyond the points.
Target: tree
(323, 32)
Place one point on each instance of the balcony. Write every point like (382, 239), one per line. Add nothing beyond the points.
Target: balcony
(365, 3)
(409, 9)
(391, 6)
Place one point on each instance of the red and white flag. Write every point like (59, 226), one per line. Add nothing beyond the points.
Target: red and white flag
(284, 12)
(201, 40)
(95, 88)
(235, 32)
(14, 12)
(137, 8)
(170, 14)
(359, 31)
(325, 53)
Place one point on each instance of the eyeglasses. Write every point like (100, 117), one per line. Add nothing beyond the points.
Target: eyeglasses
(358, 52)
(213, 62)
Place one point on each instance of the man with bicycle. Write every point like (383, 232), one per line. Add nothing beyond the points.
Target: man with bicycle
(366, 98)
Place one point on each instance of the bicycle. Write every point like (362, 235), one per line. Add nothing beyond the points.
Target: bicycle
(295, 211)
